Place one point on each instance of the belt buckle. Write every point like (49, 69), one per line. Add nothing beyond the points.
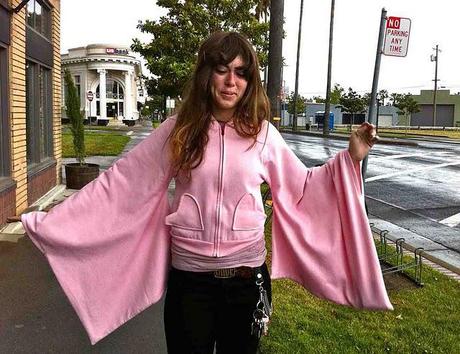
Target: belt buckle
(225, 273)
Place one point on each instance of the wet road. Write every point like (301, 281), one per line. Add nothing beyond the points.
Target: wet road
(417, 188)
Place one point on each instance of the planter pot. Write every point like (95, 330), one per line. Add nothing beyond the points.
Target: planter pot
(129, 122)
(102, 122)
(77, 176)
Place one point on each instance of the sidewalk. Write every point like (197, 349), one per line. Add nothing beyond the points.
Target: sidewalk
(35, 307)
(36, 316)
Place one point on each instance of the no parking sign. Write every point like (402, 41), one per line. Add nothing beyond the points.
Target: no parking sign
(397, 33)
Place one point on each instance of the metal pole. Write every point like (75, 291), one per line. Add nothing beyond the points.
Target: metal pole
(377, 116)
(375, 81)
(327, 108)
(435, 84)
(296, 90)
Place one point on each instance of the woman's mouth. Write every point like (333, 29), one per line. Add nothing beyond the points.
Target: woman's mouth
(227, 94)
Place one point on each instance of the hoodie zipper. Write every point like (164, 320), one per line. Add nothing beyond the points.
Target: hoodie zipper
(220, 185)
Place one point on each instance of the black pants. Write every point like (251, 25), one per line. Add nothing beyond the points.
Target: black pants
(202, 311)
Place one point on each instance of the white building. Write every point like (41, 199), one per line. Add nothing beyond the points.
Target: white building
(120, 74)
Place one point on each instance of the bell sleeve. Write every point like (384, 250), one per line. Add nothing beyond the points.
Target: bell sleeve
(108, 244)
(320, 232)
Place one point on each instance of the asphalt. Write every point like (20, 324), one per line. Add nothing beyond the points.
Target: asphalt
(36, 316)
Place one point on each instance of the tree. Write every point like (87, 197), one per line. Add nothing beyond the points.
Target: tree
(171, 53)
(382, 95)
(262, 12)
(152, 105)
(336, 93)
(327, 107)
(301, 104)
(406, 105)
(352, 103)
(275, 58)
(72, 103)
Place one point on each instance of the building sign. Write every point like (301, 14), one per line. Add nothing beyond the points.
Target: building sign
(116, 51)
(397, 36)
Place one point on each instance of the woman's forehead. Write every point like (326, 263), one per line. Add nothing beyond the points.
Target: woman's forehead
(237, 62)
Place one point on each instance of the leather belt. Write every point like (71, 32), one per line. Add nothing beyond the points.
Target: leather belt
(239, 272)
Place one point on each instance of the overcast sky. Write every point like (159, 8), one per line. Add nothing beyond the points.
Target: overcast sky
(355, 39)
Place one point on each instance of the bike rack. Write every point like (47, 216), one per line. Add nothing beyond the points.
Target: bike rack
(391, 252)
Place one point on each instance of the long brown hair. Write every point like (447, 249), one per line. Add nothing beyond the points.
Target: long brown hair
(189, 136)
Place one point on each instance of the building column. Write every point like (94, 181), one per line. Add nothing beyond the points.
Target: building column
(128, 95)
(102, 93)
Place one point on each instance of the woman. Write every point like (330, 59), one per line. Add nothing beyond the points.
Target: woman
(219, 149)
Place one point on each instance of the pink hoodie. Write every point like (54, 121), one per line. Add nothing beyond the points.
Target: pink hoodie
(109, 244)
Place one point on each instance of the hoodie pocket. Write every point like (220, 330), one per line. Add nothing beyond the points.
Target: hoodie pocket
(247, 216)
(188, 215)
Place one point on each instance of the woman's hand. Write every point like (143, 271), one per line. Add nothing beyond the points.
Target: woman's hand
(361, 141)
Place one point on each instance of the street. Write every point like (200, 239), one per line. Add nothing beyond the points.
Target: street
(414, 187)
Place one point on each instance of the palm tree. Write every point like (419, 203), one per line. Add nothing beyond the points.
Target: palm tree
(327, 108)
(275, 55)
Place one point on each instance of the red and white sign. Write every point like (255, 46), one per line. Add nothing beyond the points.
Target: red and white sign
(116, 51)
(90, 95)
(397, 33)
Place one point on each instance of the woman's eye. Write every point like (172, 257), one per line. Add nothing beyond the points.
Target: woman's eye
(221, 69)
(240, 73)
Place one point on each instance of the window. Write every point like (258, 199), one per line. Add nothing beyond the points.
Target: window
(38, 17)
(39, 120)
(76, 80)
(4, 126)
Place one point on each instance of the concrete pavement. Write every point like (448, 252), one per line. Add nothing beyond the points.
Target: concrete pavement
(37, 318)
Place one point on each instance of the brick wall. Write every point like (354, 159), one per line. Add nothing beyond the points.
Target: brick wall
(56, 39)
(30, 189)
(41, 183)
(17, 75)
(7, 203)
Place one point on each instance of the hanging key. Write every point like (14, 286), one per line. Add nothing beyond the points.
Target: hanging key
(263, 298)
(257, 325)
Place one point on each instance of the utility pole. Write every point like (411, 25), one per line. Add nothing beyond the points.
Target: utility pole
(275, 56)
(435, 59)
(296, 90)
(327, 108)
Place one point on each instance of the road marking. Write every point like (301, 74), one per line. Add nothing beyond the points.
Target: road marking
(391, 157)
(451, 221)
(130, 133)
(401, 173)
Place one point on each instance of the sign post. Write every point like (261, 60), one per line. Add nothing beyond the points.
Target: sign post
(396, 42)
(89, 97)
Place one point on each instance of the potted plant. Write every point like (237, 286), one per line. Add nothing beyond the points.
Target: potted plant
(80, 173)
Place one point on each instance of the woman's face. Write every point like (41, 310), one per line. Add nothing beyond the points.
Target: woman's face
(228, 84)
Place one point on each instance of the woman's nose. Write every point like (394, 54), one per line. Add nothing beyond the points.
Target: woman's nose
(230, 78)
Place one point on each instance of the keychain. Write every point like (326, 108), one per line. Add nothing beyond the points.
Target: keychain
(263, 311)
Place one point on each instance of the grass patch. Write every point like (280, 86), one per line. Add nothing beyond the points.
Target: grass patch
(113, 128)
(100, 144)
(425, 320)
